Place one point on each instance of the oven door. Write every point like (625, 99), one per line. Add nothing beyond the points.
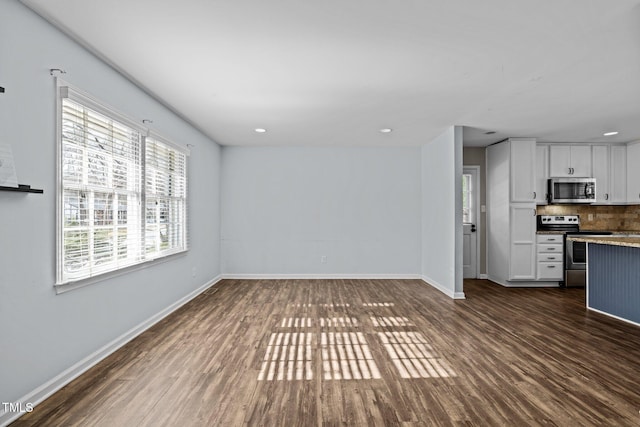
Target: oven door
(575, 270)
(576, 255)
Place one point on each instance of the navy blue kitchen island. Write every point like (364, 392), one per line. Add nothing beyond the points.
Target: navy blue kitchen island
(613, 276)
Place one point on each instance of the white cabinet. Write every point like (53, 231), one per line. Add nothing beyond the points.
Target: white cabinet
(633, 173)
(511, 212)
(618, 174)
(569, 161)
(522, 169)
(523, 244)
(542, 174)
(550, 255)
(601, 166)
(609, 167)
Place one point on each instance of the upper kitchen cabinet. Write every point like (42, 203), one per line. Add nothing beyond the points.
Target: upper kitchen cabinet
(569, 161)
(542, 174)
(617, 175)
(633, 173)
(610, 171)
(522, 169)
(601, 168)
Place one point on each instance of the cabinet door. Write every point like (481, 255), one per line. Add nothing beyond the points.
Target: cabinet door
(522, 262)
(618, 175)
(522, 170)
(581, 161)
(542, 173)
(559, 161)
(633, 173)
(600, 163)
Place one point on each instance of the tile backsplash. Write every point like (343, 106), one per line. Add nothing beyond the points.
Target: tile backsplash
(609, 218)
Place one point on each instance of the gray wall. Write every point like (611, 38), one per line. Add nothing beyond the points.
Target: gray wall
(442, 212)
(474, 156)
(286, 207)
(43, 333)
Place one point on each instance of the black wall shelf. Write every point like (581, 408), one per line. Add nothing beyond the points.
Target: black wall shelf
(22, 188)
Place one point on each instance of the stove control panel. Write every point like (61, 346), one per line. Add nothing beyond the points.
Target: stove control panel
(559, 219)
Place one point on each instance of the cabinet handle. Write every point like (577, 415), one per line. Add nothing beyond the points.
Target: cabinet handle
(551, 266)
(552, 257)
(606, 196)
(534, 194)
(551, 249)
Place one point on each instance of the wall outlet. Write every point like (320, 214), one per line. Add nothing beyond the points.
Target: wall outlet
(590, 217)
(323, 259)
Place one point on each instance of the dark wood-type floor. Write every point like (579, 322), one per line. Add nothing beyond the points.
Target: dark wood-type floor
(500, 357)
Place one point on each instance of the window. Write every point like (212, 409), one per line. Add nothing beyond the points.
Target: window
(122, 196)
(466, 199)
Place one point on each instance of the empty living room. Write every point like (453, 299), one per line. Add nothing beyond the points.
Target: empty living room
(276, 213)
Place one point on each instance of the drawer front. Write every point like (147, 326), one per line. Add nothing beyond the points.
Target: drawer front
(546, 248)
(549, 238)
(550, 271)
(549, 257)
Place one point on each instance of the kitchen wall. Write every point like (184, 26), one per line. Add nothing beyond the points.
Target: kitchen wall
(603, 218)
(44, 334)
(475, 156)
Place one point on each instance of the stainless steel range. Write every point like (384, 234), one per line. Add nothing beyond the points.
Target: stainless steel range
(575, 253)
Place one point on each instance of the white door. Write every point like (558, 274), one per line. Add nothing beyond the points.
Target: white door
(469, 256)
(470, 207)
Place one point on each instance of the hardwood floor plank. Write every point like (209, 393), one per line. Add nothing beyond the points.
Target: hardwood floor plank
(238, 355)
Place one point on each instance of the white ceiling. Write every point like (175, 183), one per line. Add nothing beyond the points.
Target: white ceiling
(334, 72)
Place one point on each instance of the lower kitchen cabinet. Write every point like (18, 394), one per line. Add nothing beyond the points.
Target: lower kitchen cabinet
(523, 244)
(550, 254)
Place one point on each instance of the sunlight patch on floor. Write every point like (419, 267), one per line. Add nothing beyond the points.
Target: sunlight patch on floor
(343, 322)
(296, 322)
(390, 321)
(413, 357)
(346, 355)
(288, 357)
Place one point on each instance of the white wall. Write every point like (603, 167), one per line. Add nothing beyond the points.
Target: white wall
(43, 333)
(442, 212)
(285, 207)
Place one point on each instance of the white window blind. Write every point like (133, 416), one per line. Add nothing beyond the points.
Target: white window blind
(166, 196)
(105, 177)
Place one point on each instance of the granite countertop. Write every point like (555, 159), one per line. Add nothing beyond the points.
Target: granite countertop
(631, 241)
(625, 233)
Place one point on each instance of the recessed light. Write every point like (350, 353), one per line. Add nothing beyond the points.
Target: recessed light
(386, 130)
(610, 133)
(260, 130)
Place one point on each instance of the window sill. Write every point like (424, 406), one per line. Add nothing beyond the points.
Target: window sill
(70, 286)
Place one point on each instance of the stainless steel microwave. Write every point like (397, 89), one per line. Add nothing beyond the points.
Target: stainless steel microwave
(572, 190)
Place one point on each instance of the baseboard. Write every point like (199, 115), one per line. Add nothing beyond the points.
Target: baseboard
(604, 313)
(524, 283)
(448, 292)
(47, 389)
(320, 276)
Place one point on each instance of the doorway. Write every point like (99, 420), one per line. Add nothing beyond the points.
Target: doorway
(470, 221)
